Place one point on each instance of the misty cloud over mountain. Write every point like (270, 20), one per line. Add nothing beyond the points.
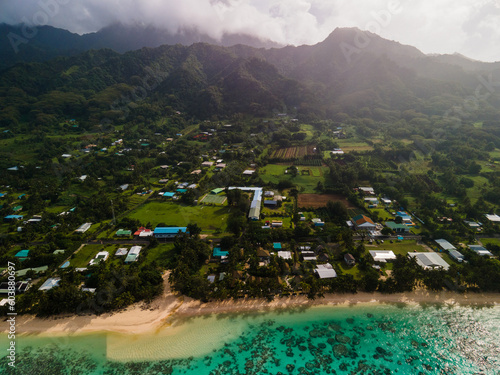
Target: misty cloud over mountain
(465, 26)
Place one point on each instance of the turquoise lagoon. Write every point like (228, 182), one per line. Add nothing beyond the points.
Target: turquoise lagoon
(357, 339)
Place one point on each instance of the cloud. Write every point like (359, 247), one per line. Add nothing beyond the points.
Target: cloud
(467, 26)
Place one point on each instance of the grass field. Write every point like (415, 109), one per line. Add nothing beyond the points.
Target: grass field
(306, 183)
(209, 218)
(158, 253)
(86, 253)
(213, 199)
(494, 241)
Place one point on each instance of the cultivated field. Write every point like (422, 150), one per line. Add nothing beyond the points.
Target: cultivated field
(320, 200)
(295, 152)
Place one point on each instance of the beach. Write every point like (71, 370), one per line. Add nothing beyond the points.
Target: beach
(141, 318)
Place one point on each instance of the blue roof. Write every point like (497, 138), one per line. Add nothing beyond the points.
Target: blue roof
(277, 245)
(181, 190)
(22, 254)
(14, 217)
(65, 265)
(169, 230)
(2, 194)
(219, 253)
(168, 194)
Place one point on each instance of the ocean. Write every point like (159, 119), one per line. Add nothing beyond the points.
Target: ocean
(357, 339)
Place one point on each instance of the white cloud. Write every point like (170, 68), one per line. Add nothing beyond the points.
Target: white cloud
(470, 27)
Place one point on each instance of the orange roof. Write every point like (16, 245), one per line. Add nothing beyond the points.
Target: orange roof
(361, 219)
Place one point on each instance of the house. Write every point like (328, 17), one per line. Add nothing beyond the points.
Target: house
(494, 218)
(479, 250)
(473, 224)
(133, 254)
(270, 203)
(220, 166)
(124, 187)
(285, 254)
(363, 222)
(398, 228)
(276, 223)
(50, 283)
(248, 172)
(83, 228)
(367, 190)
(211, 278)
(196, 171)
(456, 255)
(218, 253)
(168, 194)
(349, 259)
(406, 219)
(100, 257)
(216, 191)
(83, 177)
(163, 181)
(23, 254)
(277, 245)
(20, 287)
(168, 232)
(445, 245)
(207, 163)
(318, 222)
(371, 200)
(308, 256)
(122, 251)
(382, 256)
(430, 260)
(269, 194)
(323, 257)
(12, 218)
(386, 201)
(123, 232)
(325, 271)
(143, 232)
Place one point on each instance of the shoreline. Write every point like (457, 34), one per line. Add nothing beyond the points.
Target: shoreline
(169, 308)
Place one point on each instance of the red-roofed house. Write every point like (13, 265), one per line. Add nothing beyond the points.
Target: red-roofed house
(143, 232)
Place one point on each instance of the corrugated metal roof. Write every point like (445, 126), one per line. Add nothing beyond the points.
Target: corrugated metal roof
(445, 244)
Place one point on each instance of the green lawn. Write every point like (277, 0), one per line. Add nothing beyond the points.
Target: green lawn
(158, 253)
(306, 183)
(348, 270)
(209, 218)
(494, 241)
(83, 257)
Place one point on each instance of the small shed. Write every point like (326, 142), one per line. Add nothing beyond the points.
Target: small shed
(349, 259)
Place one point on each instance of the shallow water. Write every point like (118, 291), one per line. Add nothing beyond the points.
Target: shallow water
(360, 339)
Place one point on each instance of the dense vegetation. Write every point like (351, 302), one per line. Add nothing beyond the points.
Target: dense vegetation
(95, 138)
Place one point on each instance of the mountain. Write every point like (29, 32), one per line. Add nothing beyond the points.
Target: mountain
(380, 80)
(18, 45)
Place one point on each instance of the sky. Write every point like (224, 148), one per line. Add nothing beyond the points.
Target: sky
(468, 27)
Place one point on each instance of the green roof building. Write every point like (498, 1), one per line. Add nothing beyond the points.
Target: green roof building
(398, 228)
(123, 232)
